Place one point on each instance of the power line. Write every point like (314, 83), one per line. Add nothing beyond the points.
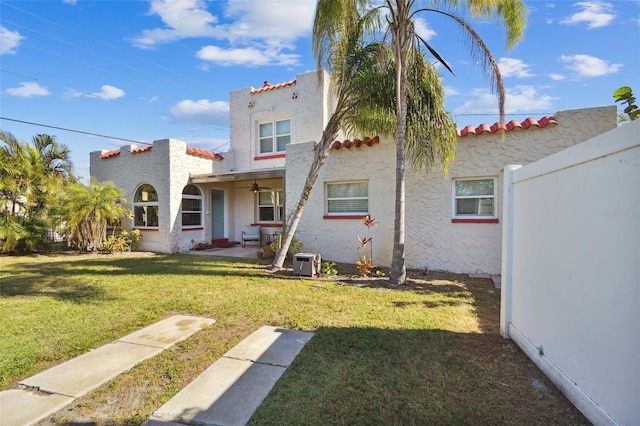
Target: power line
(73, 130)
(109, 45)
(104, 57)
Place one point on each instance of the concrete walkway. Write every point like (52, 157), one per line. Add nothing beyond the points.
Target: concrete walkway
(45, 393)
(226, 394)
(229, 392)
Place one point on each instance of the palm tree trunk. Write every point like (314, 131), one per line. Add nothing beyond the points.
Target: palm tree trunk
(401, 32)
(322, 152)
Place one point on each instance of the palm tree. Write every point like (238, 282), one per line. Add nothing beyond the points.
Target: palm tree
(89, 209)
(350, 61)
(31, 175)
(56, 157)
(406, 47)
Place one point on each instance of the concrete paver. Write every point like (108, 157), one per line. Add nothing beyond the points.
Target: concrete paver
(232, 388)
(23, 407)
(227, 393)
(271, 345)
(81, 375)
(61, 384)
(168, 332)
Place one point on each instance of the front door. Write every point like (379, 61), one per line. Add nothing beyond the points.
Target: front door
(217, 214)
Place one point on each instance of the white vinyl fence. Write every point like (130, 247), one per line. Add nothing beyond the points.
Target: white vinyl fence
(571, 271)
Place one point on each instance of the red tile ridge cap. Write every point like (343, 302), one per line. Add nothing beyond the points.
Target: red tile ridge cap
(204, 153)
(109, 154)
(141, 149)
(268, 86)
(513, 124)
(357, 143)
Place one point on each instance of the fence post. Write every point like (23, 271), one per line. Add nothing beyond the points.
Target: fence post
(507, 250)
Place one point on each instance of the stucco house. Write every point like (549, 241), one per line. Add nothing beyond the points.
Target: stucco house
(182, 196)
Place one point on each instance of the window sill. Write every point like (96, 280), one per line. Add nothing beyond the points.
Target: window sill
(147, 229)
(197, 228)
(475, 220)
(268, 224)
(269, 157)
(347, 217)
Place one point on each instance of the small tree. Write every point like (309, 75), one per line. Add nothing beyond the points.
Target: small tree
(31, 179)
(365, 264)
(89, 209)
(624, 95)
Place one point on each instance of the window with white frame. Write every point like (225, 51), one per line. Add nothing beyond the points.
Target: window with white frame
(347, 198)
(145, 207)
(270, 206)
(474, 198)
(274, 136)
(191, 207)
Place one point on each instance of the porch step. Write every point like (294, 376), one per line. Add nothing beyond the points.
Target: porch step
(223, 243)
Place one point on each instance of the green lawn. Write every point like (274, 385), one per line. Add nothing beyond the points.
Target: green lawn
(426, 354)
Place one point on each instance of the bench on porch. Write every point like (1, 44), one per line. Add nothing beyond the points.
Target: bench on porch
(251, 233)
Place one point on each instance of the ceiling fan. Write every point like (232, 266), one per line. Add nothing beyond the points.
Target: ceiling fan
(255, 188)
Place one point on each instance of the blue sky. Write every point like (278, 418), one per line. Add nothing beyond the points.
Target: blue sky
(147, 70)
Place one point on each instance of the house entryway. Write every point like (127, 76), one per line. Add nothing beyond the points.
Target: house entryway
(217, 214)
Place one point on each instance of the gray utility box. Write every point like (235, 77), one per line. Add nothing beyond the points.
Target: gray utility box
(307, 264)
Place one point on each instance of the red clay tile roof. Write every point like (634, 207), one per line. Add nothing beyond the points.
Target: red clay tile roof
(268, 86)
(141, 149)
(113, 153)
(356, 143)
(204, 153)
(513, 124)
(192, 151)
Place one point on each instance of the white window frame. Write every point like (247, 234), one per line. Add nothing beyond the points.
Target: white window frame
(192, 212)
(274, 137)
(145, 206)
(493, 198)
(278, 205)
(327, 199)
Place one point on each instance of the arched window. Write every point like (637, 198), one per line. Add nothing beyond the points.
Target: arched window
(191, 207)
(145, 207)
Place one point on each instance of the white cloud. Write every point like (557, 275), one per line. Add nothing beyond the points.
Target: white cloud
(596, 14)
(253, 33)
(71, 2)
(423, 29)
(249, 56)
(450, 91)
(108, 93)
(202, 111)
(557, 77)
(9, 41)
(510, 67)
(517, 99)
(276, 22)
(27, 90)
(73, 93)
(589, 66)
(183, 19)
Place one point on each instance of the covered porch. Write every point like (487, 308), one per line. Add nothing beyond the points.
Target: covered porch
(235, 200)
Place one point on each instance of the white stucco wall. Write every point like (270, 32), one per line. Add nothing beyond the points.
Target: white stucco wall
(336, 238)
(571, 299)
(308, 114)
(166, 167)
(432, 240)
